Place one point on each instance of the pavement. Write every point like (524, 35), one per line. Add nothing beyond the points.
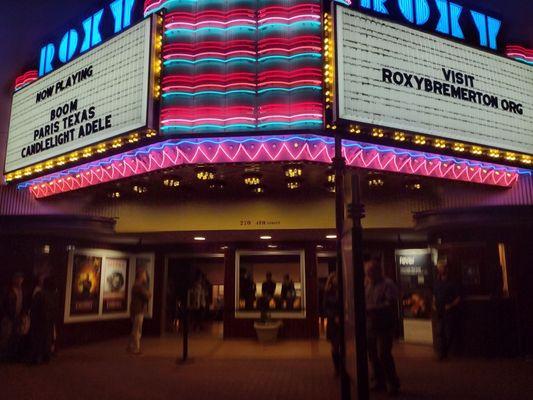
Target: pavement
(245, 369)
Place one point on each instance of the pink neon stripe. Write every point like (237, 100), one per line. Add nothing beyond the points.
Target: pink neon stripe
(296, 18)
(291, 83)
(207, 54)
(228, 86)
(290, 117)
(290, 50)
(199, 120)
(528, 58)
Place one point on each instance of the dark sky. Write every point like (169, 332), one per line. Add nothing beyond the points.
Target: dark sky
(25, 25)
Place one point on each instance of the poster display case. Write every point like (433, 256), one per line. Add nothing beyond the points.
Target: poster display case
(415, 271)
(99, 284)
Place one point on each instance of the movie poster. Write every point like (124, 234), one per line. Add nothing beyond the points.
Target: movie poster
(115, 294)
(415, 273)
(85, 294)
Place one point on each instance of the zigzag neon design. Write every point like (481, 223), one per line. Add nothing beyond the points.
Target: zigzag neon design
(309, 148)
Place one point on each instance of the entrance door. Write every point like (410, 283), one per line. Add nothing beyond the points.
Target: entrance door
(198, 282)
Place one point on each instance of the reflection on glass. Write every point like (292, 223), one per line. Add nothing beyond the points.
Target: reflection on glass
(270, 282)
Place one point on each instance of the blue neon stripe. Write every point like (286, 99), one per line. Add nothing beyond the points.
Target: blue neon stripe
(185, 127)
(523, 60)
(228, 60)
(214, 92)
(167, 5)
(301, 122)
(317, 55)
(289, 25)
(289, 89)
(209, 28)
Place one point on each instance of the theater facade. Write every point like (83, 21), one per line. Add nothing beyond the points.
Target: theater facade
(215, 137)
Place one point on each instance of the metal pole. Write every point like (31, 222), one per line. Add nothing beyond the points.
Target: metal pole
(339, 165)
(359, 290)
(185, 353)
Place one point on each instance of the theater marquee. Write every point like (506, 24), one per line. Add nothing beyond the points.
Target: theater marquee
(397, 77)
(97, 96)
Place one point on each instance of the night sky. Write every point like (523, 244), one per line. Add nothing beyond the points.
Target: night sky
(25, 25)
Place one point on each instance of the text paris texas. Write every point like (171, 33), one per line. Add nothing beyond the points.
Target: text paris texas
(65, 119)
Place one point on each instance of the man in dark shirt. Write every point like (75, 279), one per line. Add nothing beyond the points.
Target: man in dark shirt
(446, 299)
(269, 286)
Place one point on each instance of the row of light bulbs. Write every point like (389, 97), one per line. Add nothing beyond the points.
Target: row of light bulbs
(458, 147)
(252, 179)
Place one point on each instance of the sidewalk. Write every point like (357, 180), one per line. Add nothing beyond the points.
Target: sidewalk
(242, 369)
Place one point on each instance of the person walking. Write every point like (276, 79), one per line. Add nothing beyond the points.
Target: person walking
(196, 302)
(331, 309)
(446, 300)
(140, 296)
(381, 296)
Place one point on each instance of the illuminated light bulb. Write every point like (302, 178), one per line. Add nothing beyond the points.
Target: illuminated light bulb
(440, 144)
(331, 177)
(293, 171)
(399, 136)
(421, 140)
(459, 147)
(173, 182)
(205, 174)
(140, 189)
(294, 183)
(510, 157)
(258, 189)
(476, 150)
(252, 179)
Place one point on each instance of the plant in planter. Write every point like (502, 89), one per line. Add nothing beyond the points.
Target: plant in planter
(266, 329)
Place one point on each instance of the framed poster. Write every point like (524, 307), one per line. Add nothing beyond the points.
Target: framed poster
(115, 285)
(145, 262)
(85, 285)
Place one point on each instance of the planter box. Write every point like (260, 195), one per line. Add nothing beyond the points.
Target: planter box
(267, 332)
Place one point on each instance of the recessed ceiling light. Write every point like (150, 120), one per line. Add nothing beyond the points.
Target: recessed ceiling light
(199, 238)
(331, 236)
(272, 246)
(319, 246)
(223, 247)
(265, 237)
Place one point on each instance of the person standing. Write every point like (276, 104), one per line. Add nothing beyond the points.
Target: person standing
(12, 324)
(140, 295)
(446, 299)
(381, 295)
(331, 309)
(44, 311)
